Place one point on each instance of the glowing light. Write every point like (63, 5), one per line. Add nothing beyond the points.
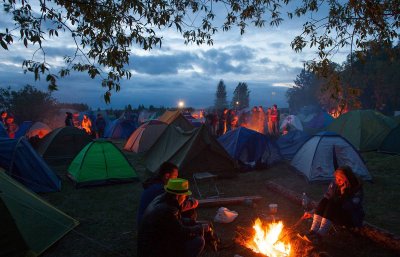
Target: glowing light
(266, 240)
(181, 104)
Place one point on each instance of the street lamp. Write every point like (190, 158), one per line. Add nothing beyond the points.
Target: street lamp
(181, 104)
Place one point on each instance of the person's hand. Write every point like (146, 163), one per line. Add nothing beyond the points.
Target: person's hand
(206, 227)
(307, 215)
(195, 202)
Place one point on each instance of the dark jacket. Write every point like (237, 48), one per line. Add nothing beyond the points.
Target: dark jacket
(161, 232)
(351, 202)
(100, 123)
(153, 188)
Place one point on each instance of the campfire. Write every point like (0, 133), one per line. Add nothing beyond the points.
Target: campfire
(267, 240)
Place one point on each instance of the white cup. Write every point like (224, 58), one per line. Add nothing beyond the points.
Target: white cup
(273, 208)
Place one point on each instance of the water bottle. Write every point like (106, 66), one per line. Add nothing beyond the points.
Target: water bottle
(305, 202)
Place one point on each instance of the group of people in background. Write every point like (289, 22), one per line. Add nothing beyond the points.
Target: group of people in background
(8, 122)
(265, 122)
(95, 130)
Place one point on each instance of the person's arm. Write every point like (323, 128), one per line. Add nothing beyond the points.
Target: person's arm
(330, 192)
(176, 228)
(189, 203)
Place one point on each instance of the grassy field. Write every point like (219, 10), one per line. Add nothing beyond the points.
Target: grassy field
(107, 215)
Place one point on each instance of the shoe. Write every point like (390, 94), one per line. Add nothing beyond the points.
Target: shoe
(309, 236)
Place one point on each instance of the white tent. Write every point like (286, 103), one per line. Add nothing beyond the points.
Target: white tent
(293, 121)
(318, 158)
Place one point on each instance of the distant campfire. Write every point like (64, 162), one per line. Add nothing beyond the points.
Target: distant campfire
(266, 240)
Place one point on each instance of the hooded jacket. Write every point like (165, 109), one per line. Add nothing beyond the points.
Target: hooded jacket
(161, 231)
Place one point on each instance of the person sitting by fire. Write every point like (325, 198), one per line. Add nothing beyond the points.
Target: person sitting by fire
(154, 187)
(342, 204)
(163, 232)
(86, 124)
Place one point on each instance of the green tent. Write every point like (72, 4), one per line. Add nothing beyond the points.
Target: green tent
(99, 163)
(391, 144)
(29, 225)
(192, 151)
(364, 129)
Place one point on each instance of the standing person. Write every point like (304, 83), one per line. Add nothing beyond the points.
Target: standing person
(154, 187)
(100, 125)
(11, 126)
(234, 120)
(275, 120)
(163, 232)
(68, 119)
(270, 130)
(261, 119)
(342, 204)
(3, 118)
(214, 123)
(75, 120)
(223, 122)
(86, 124)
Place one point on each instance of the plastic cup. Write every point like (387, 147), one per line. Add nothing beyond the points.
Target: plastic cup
(273, 208)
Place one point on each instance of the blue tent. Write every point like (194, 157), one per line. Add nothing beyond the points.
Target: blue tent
(23, 129)
(23, 164)
(319, 121)
(3, 132)
(250, 147)
(120, 128)
(289, 144)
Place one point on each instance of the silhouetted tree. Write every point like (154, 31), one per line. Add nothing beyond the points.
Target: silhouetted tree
(241, 96)
(220, 96)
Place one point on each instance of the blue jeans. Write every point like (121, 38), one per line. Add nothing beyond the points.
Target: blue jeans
(194, 247)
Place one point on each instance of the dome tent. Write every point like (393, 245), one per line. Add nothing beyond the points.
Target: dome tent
(29, 225)
(120, 128)
(292, 121)
(289, 144)
(23, 163)
(391, 144)
(99, 163)
(248, 146)
(364, 129)
(39, 129)
(192, 151)
(145, 136)
(63, 143)
(319, 157)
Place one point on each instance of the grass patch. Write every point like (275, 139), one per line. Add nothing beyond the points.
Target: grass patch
(107, 214)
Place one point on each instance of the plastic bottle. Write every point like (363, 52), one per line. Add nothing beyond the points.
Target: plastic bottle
(305, 202)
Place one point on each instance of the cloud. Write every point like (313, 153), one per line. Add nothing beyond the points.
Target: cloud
(162, 64)
(283, 84)
(278, 45)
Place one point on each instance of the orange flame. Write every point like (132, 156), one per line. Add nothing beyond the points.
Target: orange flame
(266, 240)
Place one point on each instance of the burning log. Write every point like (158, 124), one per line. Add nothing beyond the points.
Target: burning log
(245, 237)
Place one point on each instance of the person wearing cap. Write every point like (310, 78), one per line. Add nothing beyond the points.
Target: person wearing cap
(163, 232)
(342, 205)
(154, 187)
